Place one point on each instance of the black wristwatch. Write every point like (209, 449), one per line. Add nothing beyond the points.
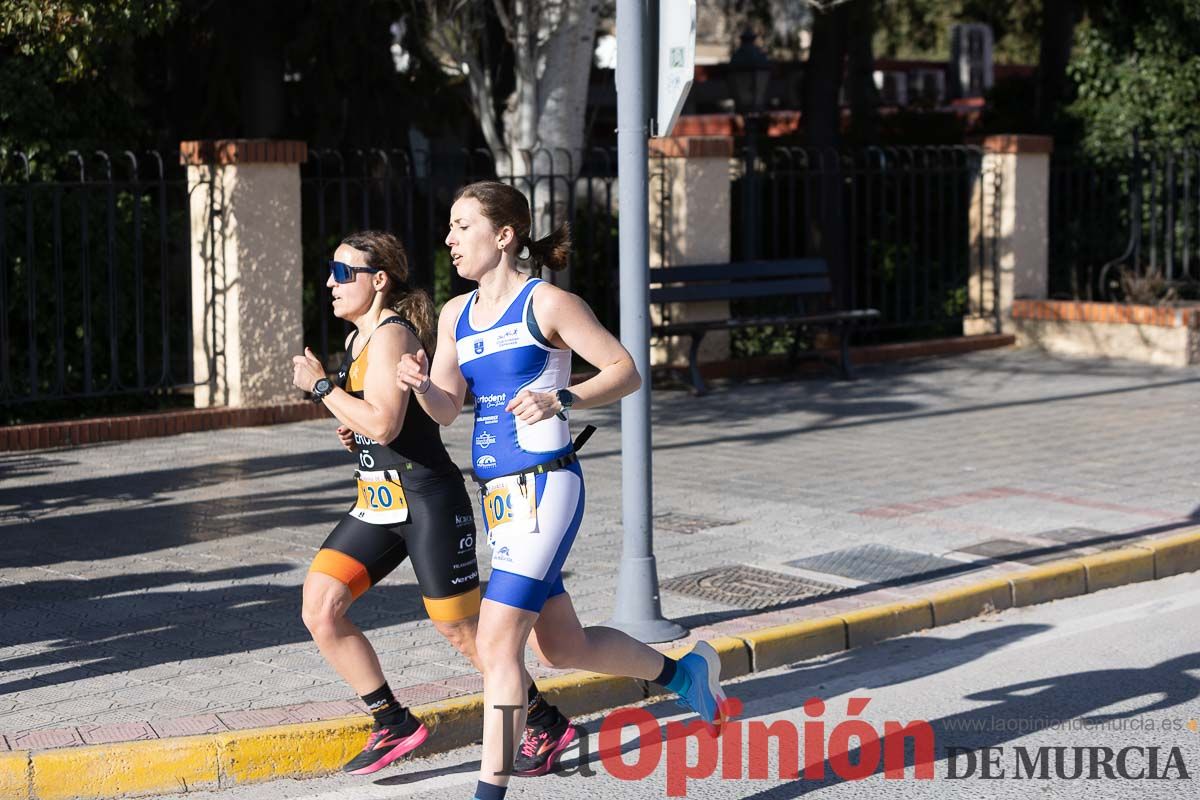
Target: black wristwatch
(321, 389)
(566, 400)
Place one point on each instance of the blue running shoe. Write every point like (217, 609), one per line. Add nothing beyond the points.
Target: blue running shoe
(703, 694)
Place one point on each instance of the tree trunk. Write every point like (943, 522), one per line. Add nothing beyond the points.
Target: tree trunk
(822, 122)
(260, 69)
(823, 76)
(540, 132)
(1058, 34)
(864, 98)
(544, 126)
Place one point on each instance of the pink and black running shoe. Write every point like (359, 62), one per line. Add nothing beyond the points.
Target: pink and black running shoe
(386, 744)
(541, 748)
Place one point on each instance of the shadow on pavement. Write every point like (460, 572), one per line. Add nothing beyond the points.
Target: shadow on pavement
(139, 529)
(1068, 697)
(155, 485)
(920, 657)
(467, 770)
(112, 625)
(884, 395)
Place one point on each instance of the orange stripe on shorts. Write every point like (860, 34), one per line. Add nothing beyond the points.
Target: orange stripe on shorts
(344, 568)
(453, 609)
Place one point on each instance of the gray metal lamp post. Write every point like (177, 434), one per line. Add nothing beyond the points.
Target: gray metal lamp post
(637, 610)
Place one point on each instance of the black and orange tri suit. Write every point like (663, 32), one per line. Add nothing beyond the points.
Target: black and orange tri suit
(412, 503)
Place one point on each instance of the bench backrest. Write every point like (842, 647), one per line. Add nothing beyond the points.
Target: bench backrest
(741, 280)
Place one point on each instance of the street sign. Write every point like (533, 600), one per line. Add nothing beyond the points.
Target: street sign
(676, 60)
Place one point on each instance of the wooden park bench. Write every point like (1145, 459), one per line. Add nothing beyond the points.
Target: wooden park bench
(807, 280)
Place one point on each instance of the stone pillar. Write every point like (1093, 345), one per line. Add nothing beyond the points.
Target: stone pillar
(689, 224)
(1010, 210)
(246, 269)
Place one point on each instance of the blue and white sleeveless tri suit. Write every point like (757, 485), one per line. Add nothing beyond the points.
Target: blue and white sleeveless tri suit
(498, 362)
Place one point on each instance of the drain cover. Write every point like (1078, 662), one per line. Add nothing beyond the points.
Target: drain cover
(747, 587)
(879, 563)
(1013, 550)
(686, 523)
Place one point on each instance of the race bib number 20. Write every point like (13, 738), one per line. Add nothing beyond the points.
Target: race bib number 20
(381, 499)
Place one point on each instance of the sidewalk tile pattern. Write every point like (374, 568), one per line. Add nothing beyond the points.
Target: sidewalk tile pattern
(152, 587)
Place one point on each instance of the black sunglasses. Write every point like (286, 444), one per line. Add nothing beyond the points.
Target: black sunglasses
(344, 273)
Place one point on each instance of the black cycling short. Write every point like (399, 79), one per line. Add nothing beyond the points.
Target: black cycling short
(439, 536)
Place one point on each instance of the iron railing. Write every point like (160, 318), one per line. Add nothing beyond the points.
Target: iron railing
(95, 254)
(904, 229)
(95, 283)
(1124, 227)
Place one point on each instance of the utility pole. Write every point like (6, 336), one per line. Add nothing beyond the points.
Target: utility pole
(638, 611)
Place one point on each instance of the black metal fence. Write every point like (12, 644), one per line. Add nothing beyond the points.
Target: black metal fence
(95, 254)
(95, 283)
(1124, 227)
(410, 194)
(902, 228)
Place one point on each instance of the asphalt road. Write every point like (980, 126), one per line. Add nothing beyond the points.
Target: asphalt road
(1109, 680)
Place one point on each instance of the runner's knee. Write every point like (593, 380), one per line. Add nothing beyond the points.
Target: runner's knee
(460, 633)
(497, 652)
(324, 605)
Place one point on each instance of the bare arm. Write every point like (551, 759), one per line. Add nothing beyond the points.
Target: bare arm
(379, 415)
(567, 321)
(439, 389)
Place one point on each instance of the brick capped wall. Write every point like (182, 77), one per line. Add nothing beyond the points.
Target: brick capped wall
(140, 426)
(1115, 313)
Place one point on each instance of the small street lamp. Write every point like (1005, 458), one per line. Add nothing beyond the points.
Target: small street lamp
(749, 74)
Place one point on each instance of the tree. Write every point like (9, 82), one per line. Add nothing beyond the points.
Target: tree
(67, 69)
(551, 44)
(1136, 67)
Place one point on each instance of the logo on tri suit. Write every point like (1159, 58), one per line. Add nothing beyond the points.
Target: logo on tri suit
(485, 440)
(479, 347)
(466, 543)
(491, 400)
(463, 520)
(485, 461)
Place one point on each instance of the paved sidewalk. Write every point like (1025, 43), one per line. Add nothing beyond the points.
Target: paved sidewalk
(151, 588)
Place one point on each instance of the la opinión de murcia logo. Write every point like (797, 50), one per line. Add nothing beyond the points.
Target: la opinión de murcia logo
(852, 750)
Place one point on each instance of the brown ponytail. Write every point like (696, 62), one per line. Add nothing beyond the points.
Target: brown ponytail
(504, 206)
(416, 306)
(384, 251)
(553, 251)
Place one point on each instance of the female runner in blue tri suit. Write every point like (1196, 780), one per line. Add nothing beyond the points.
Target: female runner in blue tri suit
(412, 502)
(510, 343)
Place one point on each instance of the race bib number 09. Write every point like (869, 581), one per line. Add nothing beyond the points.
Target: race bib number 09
(509, 506)
(381, 499)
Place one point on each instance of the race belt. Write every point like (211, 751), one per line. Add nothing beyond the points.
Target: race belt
(545, 466)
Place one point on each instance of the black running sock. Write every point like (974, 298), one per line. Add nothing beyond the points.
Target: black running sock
(386, 709)
(489, 791)
(668, 672)
(541, 714)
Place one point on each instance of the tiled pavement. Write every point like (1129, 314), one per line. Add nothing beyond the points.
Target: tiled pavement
(151, 588)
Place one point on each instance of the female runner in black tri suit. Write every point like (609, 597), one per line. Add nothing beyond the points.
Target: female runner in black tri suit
(412, 501)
